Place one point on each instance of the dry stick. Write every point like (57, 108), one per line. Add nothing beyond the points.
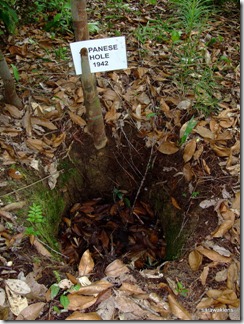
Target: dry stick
(65, 256)
(30, 185)
(143, 180)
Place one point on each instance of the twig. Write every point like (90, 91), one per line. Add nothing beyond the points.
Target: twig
(143, 179)
(65, 256)
(30, 185)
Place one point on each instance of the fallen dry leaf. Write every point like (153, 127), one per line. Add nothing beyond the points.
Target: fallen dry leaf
(131, 289)
(94, 288)
(77, 119)
(78, 302)
(41, 249)
(116, 268)
(31, 312)
(178, 310)
(86, 264)
(168, 148)
(175, 203)
(189, 150)
(18, 286)
(204, 275)
(14, 111)
(195, 260)
(212, 255)
(16, 301)
(78, 316)
(204, 132)
(223, 228)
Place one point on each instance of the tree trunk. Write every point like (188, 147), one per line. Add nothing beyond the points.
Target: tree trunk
(95, 122)
(79, 17)
(10, 95)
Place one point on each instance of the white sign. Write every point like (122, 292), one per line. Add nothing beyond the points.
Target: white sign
(104, 54)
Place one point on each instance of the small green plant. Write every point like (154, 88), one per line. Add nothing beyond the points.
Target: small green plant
(93, 27)
(190, 125)
(55, 290)
(15, 72)
(61, 53)
(8, 16)
(195, 194)
(154, 30)
(181, 289)
(120, 194)
(35, 217)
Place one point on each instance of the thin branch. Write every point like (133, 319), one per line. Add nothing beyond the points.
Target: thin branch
(30, 185)
(63, 255)
(143, 179)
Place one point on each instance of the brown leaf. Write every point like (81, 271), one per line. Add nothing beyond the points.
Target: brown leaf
(26, 122)
(78, 316)
(94, 288)
(168, 148)
(86, 264)
(116, 268)
(223, 228)
(14, 111)
(41, 249)
(236, 203)
(178, 310)
(204, 274)
(188, 172)
(43, 122)
(189, 150)
(15, 174)
(131, 289)
(195, 260)
(143, 98)
(204, 132)
(36, 144)
(212, 255)
(175, 203)
(206, 167)
(59, 139)
(78, 302)
(31, 312)
(77, 119)
(163, 105)
(232, 276)
(221, 151)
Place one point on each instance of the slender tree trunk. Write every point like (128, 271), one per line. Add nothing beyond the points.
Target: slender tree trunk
(79, 16)
(10, 95)
(95, 122)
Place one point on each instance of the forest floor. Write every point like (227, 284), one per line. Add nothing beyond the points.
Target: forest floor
(186, 117)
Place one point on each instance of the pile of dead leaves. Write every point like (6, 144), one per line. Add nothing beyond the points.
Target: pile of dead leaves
(113, 230)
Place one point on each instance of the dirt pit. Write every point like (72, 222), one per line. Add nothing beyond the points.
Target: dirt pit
(134, 204)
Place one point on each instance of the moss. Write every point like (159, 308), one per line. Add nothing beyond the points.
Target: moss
(53, 202)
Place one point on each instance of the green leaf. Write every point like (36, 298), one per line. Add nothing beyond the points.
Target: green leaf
(175, 36)
(64, 301)
(127, 202)
(190, 125)
(15, 72)
(54, 290)
(56, 310)
(150, 115)
(93, 27)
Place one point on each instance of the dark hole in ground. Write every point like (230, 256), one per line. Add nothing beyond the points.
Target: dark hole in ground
(166, 212)
(112, 230)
